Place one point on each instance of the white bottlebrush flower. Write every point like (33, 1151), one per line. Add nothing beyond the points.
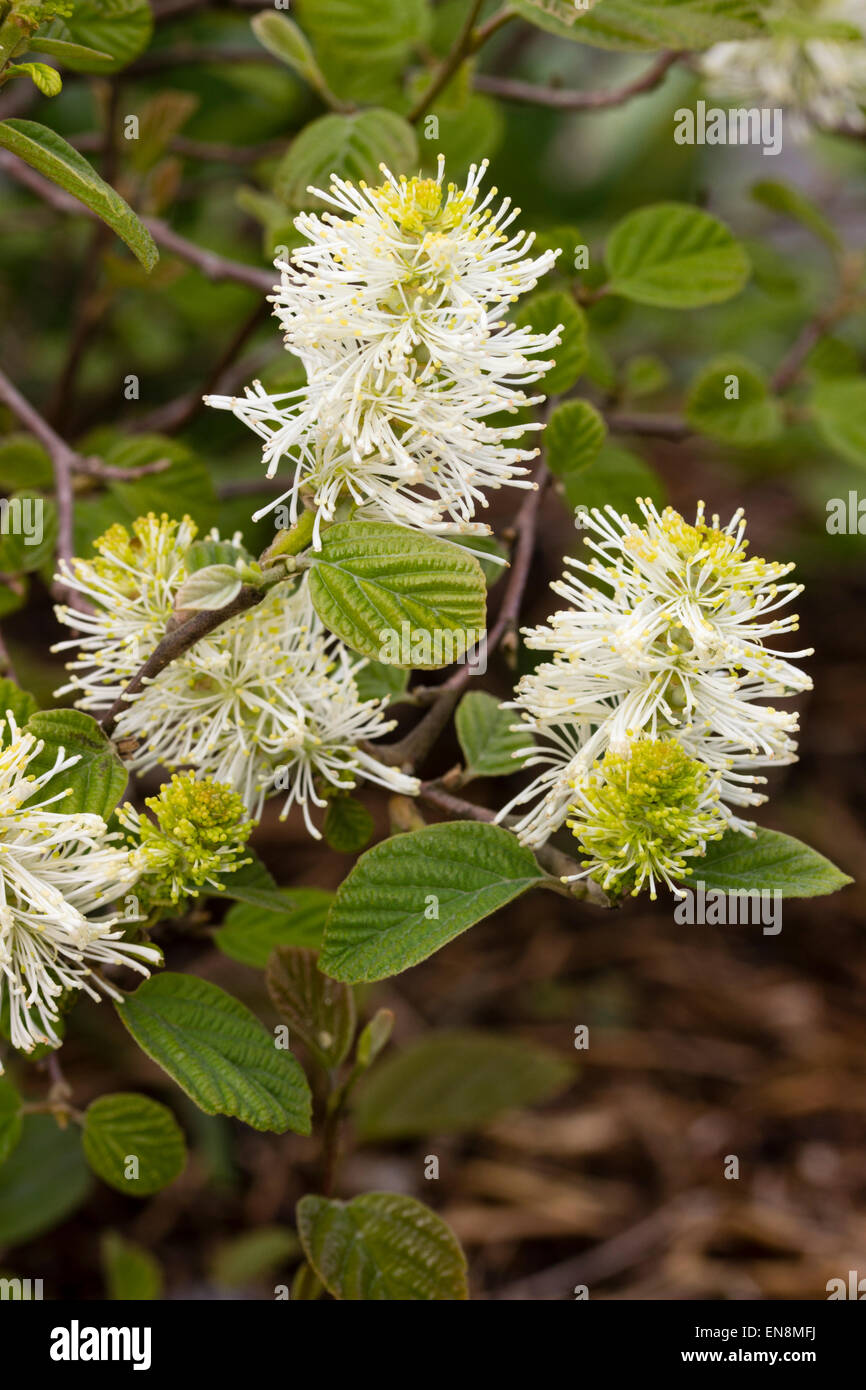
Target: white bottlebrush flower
(397, 311)
(129, 586)
(266, 703)
(58, 874)
(819, 81)
(666, 634)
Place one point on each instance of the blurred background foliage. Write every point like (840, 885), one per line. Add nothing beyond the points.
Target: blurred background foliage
(721, 1042)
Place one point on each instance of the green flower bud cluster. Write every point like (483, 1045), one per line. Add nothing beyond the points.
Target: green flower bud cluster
(642, 813)
(199, 832)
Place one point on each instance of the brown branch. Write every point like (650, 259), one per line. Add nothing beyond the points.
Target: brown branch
(460, 50)
(492, 26)
(638, 422)
(64, 460)
(413, 749)
(561, 100)
(811, 334)
(179, 640)
(210, 263)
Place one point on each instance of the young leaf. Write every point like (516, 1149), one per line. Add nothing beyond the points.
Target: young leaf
(218, 1052)
(380, 587)
(42, 75)
(11, 1119)
(48, 153)
(131, 1272)
(771, 861)
(120, 29)
(792, 202)
(374, 1037)
(545, 312)
(381, 1247)
(674, 256)
(253, 1256)
(840, 410)
(67, 52)
(42, 1181)
(351, 146)
(250, 934)
(573, 438)
(408, 896)
(215, 586)
(730, 401)
(125, 1126)
(455, 1081)
(319, 1010)
(487, 738)
(97, 781)
(348, 824)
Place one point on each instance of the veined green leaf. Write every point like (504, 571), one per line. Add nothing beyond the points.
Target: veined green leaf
(675, 256)
(48, 153)
(487, 737)
(320, 1011)
(408, 896)
(770, 862)
(124, 1127)
(97, 781)
(381, 1247)
(218, 1052)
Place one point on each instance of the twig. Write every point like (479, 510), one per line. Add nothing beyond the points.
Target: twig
(413, 749)
(210, 263)
(64, 460)
(529, 93)
(811, 334)
(179, 640)
(660, 426)
(492, 26)
(460, 50)
(109, 473)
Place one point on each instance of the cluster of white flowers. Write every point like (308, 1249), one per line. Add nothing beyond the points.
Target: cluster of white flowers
(816, 80)
(397, 311)
(665, 639)
(59, 872)
(267, 703)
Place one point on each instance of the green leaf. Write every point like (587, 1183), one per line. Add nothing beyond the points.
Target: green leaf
(215, 586)
(675, 257)
(752, 417)
(645, 375)
(380, 587)
(131, 1272)
(119, 28)
(42, 75)
(253, 884)
(449, 1082)
(770, 861)
(646, 25)
(573, 438)
(791, 202)
(615, 479)
(24, 464)
(218, 1052)
(545, 312)
(351, 146)
(125, 1126)
(67, 52)
(374, 1037)
(282, 37)
(11, 1119)
(319, 1010)
(348, 824)
(840, 411)
(408, 896)
(487, 738)
(376, 681)
(19, 702)
(42, 1182)
(381, 1247)
(249, 934)
(28, 532)
(48, 153)
(97, 781)
(363, 46)
(207, 553)
(253, 1256)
